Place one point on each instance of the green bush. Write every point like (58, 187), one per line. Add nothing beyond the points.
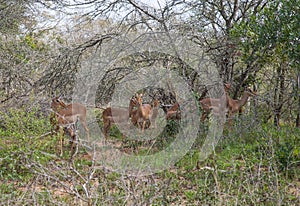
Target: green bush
(22, 123)
(21, 141)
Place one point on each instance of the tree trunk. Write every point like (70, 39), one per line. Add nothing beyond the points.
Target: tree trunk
(279, 91)
(298, 98)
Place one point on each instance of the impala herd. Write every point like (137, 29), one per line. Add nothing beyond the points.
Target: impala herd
(141, 115)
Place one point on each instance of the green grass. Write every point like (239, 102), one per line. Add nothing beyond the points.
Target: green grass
(249, 167)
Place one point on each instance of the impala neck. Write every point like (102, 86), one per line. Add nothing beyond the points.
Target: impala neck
(244, 99)
(140, 104)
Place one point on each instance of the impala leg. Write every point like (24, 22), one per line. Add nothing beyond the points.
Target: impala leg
(144, 124)
(139, 124)
(87, 130)
(229, 121)
(154, 124)
(84, 124)
(106, 128)
(61, 133)
(203, 116)
(74, 144)
(72, 133)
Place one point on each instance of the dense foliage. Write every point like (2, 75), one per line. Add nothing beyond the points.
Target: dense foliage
(254, 43)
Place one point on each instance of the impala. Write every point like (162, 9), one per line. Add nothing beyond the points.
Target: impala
(154, 113)
(235, 105)
(215, 105)
(232, 105)
(143, 113)
(174, 112)
(110, 116)
(67, 115)
(63, 127)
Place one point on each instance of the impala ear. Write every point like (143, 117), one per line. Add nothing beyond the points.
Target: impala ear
(248, 89)
(254, 93)
(227, 87)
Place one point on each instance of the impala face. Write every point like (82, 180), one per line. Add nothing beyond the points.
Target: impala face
(57, 102)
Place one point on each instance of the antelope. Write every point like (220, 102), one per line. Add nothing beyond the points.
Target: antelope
(119, 114)
(152, 116)
(215, 105)
(232, 105)
(134, 117)
(174, 112)
(235, 105)
(218, 110)
(154, 112)
(143, 113)
(67, 115)
(61, 126)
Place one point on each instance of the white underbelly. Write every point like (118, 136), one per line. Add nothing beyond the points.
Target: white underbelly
(70, 119)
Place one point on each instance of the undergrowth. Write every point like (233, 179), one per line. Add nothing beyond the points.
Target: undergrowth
(249, 167)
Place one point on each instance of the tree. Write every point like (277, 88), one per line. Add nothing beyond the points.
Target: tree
(25, 51)
(216, 21)
(14, 50)
(136, 18)
(272, 36)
